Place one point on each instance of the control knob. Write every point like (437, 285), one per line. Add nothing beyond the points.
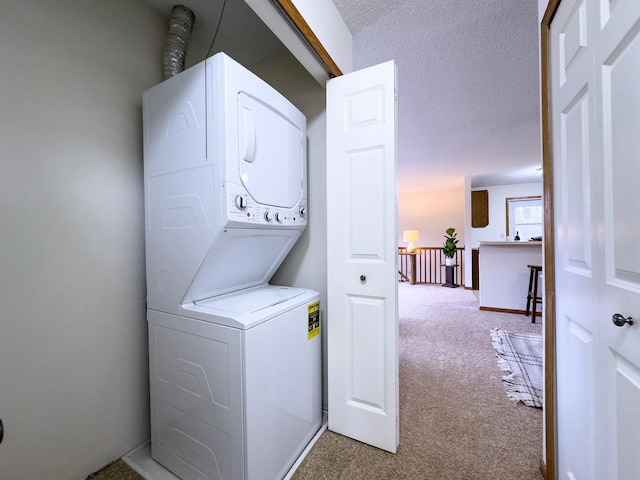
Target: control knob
(302, 211)
(241, 202)
(278, 217)
(267, 216)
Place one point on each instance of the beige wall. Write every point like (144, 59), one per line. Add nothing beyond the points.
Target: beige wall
(73, 354)
(431, 213)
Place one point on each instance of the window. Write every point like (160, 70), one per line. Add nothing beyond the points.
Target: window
(524, 217)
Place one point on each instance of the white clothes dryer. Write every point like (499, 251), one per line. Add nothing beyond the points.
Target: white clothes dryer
(225, 182)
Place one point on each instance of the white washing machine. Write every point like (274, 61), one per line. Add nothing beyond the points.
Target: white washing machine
(238, 394)
(235, 363)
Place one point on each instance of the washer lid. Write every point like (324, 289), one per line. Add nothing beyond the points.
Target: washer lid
(271, 163)
(236, 309)
(252, 300)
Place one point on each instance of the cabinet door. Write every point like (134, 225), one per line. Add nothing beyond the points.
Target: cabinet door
(479, 208)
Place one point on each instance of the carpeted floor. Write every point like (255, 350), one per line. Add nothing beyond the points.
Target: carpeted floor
(117, 470)
(456, 421)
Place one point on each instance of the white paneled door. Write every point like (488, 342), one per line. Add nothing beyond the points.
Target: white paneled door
(362, 328)
(595, 100)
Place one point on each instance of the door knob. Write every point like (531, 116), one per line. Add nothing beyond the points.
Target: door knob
(619, 320)
(363, 278)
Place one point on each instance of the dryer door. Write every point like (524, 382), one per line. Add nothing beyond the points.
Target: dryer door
(272, 153)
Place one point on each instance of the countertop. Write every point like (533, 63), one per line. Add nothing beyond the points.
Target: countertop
(512, 243)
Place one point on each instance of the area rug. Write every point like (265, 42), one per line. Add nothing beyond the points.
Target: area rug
(520, 357)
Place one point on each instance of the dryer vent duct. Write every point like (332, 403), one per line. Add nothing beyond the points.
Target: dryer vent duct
(175, 45)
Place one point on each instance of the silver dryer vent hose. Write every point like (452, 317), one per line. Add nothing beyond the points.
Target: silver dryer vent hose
(175, 45)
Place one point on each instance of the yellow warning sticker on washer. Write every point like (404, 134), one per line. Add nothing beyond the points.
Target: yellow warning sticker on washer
(314, 320)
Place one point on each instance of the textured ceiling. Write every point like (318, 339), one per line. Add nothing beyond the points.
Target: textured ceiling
(468, 86)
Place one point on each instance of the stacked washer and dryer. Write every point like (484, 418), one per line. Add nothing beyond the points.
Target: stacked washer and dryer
(234, 362)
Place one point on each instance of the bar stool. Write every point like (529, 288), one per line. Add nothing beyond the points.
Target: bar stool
(533, 299)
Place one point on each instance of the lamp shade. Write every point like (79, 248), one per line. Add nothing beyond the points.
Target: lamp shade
(411, 236)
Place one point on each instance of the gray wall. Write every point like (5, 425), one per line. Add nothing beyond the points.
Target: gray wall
(73, 354)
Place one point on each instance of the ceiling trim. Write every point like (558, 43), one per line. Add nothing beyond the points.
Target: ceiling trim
(302, 28)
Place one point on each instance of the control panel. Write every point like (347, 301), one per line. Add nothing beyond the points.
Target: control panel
(242, 208)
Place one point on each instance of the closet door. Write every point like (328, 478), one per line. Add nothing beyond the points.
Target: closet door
(361, 256)
(595, 67)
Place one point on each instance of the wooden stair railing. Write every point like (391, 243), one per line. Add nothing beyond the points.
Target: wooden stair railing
(429, 265)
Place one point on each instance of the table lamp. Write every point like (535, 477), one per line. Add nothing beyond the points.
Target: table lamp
(411, 236)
